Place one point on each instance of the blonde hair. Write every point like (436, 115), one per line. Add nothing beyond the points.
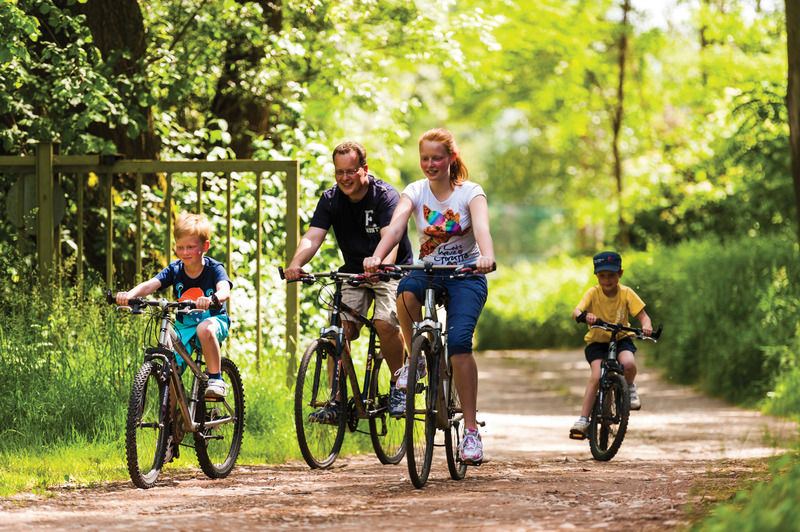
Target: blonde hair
(458, 170)
(189, 224)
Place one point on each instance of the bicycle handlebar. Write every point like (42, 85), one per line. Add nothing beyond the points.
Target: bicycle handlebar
(353, 279)
(136, 303)
(600, 324)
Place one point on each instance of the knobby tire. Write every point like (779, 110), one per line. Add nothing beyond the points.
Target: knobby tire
(217, 448)
(319, 443)
(387, 433)
(609, 421)
(147, 426)
(420, 417)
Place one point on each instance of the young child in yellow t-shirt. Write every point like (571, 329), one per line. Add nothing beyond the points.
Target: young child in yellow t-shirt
(612, 303)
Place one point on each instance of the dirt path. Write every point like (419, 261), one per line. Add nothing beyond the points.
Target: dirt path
(535, 477)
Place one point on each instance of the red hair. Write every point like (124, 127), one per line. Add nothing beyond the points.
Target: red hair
(458, 170)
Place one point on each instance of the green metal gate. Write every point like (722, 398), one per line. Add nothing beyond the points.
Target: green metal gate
(47, 169)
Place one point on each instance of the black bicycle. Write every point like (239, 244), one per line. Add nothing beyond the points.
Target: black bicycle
(432, 401)
(161, 413)
(323, 376)
(608, 421)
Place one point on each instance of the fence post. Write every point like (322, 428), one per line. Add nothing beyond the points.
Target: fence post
(44, 216)
(292, 239)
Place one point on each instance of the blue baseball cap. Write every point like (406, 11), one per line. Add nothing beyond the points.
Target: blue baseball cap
(607, 261)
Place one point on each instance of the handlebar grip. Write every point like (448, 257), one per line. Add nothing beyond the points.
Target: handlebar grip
(280, 271)
(657, 334)
(110, 299)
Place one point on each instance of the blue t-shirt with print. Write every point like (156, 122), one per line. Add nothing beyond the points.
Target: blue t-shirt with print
(357, 226)
(185, 288)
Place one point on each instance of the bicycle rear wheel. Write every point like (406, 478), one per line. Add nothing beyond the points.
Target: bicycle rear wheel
(146, 433)
(387, 433)
(455, 433)
(609, 420)
(420, 416)
(217, 447)
(319, 442)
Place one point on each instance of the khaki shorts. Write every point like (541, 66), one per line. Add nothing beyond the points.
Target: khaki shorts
(359, 298)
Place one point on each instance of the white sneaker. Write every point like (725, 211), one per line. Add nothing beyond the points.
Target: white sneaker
(472, 447)
(636, 403)
(216, 388)
(402, 374)
(579, 429)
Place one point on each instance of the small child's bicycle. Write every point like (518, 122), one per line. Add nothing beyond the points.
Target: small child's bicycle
(160, 412)
(608, 420)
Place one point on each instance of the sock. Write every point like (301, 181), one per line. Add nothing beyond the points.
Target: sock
(215, 375)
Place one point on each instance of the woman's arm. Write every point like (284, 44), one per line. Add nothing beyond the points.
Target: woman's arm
(479, 212)
(391, 234)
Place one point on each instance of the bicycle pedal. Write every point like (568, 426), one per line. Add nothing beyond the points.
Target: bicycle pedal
(576, 435)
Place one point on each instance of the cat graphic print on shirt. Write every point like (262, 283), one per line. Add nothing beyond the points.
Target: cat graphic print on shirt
(445, 227)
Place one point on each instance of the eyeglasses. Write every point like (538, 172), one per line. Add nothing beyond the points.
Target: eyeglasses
(348, 173)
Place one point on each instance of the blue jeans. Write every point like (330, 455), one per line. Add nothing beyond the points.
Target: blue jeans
(466, 299)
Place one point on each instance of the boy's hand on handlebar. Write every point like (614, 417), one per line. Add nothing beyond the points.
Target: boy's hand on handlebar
(591, 319)
(647, 330)
(203, 302)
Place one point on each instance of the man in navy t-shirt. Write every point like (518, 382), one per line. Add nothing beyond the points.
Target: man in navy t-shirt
(359, 207)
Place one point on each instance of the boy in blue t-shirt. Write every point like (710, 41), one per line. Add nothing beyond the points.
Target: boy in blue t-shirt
(197, 278)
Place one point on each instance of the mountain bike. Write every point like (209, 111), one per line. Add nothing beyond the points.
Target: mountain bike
(325, 372)
(432, 400)
(161, 412)
(608, 421)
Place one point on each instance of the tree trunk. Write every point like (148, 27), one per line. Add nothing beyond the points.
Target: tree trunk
(118, 25)
(248, 116)
(617, 118)
(793, 94)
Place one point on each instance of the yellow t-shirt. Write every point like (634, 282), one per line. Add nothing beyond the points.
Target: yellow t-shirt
(610, 309)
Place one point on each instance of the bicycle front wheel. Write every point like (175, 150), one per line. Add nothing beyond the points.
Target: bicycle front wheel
(609, 420)
(387, 433)
(146, 428)
(420, 412)
(217, 446)
(319, 439)
(455, 432)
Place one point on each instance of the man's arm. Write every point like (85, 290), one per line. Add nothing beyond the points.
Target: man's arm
(306, 250)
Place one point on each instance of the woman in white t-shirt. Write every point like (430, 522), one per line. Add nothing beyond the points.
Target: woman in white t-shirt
(452, 218)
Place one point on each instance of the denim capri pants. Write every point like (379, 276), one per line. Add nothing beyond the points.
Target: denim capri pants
(466, 299)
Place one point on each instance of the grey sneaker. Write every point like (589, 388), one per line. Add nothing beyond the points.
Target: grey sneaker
(216, 388)
(327, 415)
(471, 447)
(636, 403)
(397, 402)
(579, 429)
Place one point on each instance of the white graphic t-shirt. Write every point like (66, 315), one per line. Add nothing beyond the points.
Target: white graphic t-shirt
(445, 227)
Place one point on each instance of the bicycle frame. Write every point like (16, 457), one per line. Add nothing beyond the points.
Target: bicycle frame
(335, 332)
(169, 343)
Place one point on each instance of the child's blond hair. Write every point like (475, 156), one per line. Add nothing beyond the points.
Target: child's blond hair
(189, 224)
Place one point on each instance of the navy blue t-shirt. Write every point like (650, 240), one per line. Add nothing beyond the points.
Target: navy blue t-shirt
(357, 226)
(190, 288)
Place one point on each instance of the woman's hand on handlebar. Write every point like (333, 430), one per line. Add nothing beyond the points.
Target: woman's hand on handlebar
(485, 264)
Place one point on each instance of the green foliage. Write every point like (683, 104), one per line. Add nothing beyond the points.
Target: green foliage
(770, 506)
(543, 317)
